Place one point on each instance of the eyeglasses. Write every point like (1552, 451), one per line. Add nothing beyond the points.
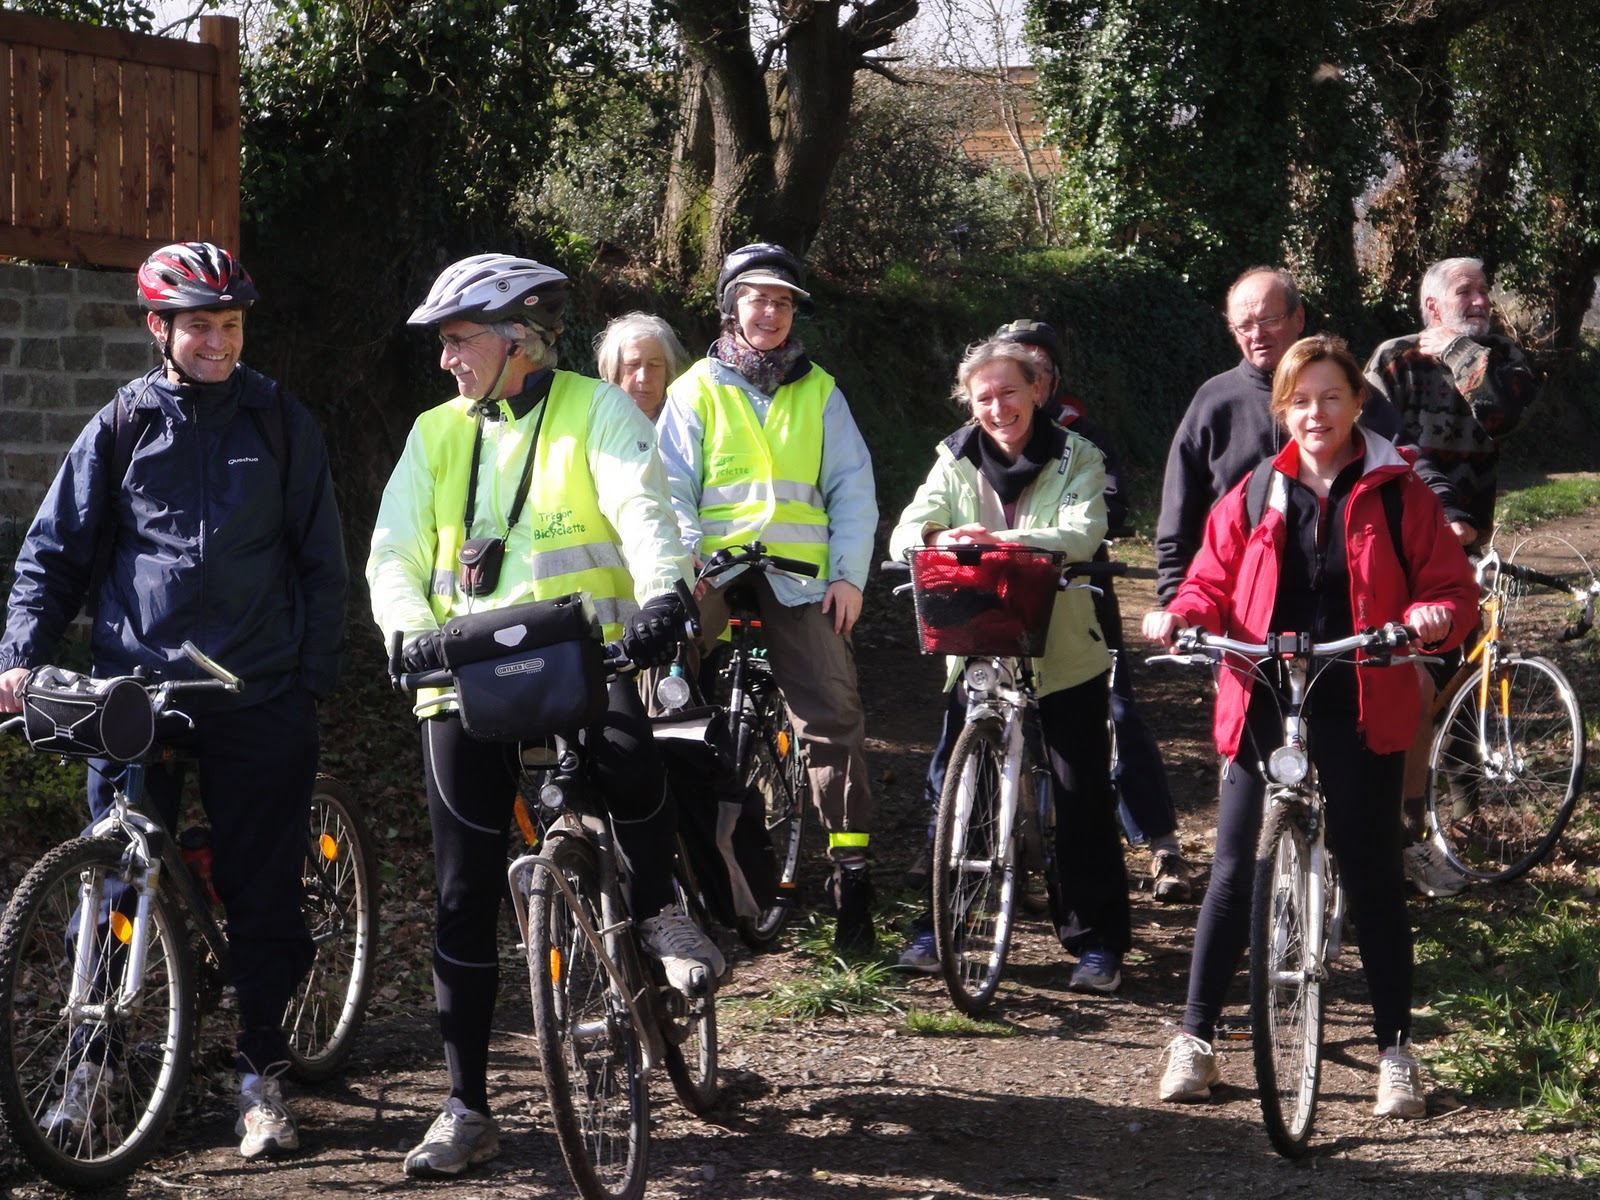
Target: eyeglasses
(765, 303)
(455, 344)
(1265, 324)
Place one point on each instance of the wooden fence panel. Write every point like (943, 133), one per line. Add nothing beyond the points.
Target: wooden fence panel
(116, 142)
(81, 143)
(53, 140)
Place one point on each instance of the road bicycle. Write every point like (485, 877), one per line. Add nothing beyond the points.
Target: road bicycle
(767, 753)
(604, 1014)
(1506, 764)
(1297, 905)
(991, 604)
(109, 1003)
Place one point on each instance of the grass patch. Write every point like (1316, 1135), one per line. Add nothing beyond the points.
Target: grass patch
(837, 989)
(951, 1023)
(1514, 1006)
(1527, 507)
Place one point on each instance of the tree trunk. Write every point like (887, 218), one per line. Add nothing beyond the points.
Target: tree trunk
(679, 237)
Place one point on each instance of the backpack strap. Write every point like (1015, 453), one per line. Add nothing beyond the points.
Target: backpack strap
(1269, 489)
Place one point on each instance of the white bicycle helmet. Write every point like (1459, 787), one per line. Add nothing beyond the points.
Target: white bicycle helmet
(488, 288)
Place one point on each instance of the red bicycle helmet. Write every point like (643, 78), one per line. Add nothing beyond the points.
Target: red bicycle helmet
(193, 275)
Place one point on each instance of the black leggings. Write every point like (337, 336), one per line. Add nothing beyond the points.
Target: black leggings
(1094, 882)
(471, 790)
(1362, 791)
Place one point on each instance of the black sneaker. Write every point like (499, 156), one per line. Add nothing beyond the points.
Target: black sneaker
(854, 936)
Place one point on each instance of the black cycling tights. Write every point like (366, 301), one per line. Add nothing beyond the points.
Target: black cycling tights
(1362, 790)
(471, 790)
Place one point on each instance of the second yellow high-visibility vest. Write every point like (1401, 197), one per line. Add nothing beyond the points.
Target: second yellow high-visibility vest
(759, 482)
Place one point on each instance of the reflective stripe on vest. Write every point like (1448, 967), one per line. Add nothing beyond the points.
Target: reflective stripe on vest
(562, 543)
(759, 482)
(848, 841)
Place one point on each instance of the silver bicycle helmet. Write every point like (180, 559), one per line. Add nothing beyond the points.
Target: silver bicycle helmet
(488, 288)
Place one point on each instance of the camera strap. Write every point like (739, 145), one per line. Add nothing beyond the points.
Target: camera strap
(523, 486)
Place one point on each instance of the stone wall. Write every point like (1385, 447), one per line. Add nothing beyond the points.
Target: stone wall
(68, 339)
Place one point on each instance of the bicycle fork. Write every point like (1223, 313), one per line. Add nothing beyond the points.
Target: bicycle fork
(1014, 790)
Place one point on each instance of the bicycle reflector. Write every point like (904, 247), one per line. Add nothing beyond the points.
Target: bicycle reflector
(121, 928)
(329, 846)
(1288, 765)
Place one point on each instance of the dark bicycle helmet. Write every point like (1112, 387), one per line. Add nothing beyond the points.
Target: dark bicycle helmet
(193, 275)
(761, 262)
(487, 288)
(1037, 333)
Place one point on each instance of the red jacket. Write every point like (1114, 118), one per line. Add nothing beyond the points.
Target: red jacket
(1233, 582)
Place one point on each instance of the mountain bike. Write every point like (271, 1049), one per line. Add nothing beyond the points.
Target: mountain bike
(991, 604)
(1507, 759)
(1297, 905)
(604, 1015)
(109, 1001)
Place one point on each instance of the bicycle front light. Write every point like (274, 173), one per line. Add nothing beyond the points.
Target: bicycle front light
(551, 796)
(1288, 765)
(673, 692)
(982, 677)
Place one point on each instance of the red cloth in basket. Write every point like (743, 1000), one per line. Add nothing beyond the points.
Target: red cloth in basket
(985, 600)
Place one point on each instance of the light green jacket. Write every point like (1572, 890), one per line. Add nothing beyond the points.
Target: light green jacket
(1063, 509)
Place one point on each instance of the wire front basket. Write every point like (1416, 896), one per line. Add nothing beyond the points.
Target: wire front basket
(985, 600)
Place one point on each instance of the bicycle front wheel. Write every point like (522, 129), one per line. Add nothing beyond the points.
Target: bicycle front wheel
(94, 1053)
(691, 1054)
(588, 1048)
(777, 770)
(1286, 977)
(341, 910)
(974, 874)
(1505, 777)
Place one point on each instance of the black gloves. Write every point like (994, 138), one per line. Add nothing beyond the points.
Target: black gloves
(651, 638)
(425, 652)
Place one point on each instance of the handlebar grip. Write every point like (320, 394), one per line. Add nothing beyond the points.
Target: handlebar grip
(892, 566)
(1093, 570)
(415, 681)
(794, 566)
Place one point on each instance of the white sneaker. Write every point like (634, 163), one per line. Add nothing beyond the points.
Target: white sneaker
(1192, 1070)
(458, 1138)
(1399, 1085)
(265, 1124)
(83, 1100)
(691, 960)
(1430, 871)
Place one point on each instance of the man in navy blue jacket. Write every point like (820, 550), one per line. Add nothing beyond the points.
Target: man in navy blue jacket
(198, 506)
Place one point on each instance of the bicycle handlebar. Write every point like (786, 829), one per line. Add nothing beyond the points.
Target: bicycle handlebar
(1087, 569)
(1198, 645)
(754, 556)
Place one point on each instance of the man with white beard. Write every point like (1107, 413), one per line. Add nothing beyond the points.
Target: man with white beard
(1459, 389)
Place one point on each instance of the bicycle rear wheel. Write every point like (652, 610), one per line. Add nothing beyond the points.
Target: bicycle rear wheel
(778, 771)
(341, 910)
(1504, 782)
(974, 875)
(588, 1048)
(86, 1093)
(1286, 977)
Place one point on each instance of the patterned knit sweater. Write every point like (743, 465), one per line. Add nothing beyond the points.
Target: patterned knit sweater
(1455, 409)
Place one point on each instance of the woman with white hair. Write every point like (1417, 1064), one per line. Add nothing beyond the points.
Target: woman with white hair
(641, 355)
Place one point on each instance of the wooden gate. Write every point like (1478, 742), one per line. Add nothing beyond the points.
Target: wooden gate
(116, 142)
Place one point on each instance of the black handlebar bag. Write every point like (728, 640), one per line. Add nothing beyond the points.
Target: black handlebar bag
(529, 670)
(68, 713)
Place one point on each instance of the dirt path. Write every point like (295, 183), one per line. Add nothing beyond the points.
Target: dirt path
(1063, 1106)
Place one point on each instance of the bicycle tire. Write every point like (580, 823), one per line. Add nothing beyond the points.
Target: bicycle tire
(585, 1038)
(777, 770)
(1499, 806)
(691, 1055)
(148, 1043)
(974, 878)
(1285, 990)
(326, 1013)
(1038, 887)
